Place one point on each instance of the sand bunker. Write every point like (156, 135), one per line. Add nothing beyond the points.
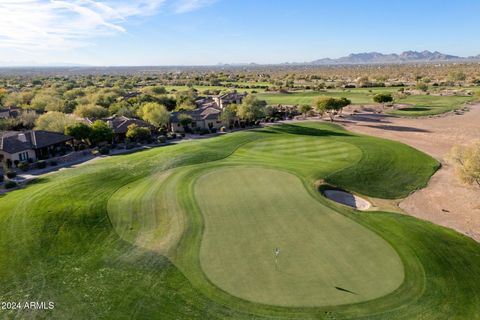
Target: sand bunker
(444, 201)
(348, 199)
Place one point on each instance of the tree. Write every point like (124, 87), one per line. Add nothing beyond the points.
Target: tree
(186, 97)
(466, 160)
(185, 107)
(100, 132)
(383, 98)
(304, 109)
(79, 132)
(251, 108)
(421, 86)
(185, 120)
(343, 102)
(228, 115)
(329, 105)
(155, 114)
(28, 118)
(47, 101)
(158, 90)
(91, 111)
(136, 133)
(54, 121)
(3, 94)
(120, 105)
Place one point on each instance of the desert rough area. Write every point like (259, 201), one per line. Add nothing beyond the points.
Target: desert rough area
(445, 201)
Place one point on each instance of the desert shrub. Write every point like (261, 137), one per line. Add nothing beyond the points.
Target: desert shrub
(41, 164)
(24, 166)
(10, 184)
(104, 150)
(11, 174)
(466, 160)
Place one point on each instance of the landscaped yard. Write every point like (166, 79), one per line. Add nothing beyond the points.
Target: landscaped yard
(189, 232)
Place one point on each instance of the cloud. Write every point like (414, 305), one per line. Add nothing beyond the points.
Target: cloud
(33, 25)
(184, 6)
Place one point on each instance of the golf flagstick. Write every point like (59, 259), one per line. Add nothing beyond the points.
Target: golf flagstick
(276, 253)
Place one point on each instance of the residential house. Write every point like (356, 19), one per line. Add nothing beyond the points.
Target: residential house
(119, 125)
(207, 114)
(12, 112)
(203, 118)
(229, 98)
(131, 94)
(33, 144)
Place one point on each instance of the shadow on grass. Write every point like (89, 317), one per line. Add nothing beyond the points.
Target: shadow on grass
(306, 131)
(414, 109)
(345, 290)
(37, 181)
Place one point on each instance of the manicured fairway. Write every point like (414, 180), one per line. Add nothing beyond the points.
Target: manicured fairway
(419, 105)
(136, 237)
(325, 258)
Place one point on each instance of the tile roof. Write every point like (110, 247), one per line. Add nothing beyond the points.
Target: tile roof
(120, 124)
(205, 113)
(16, 141)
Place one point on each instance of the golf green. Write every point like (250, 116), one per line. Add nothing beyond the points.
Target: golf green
(325, 258)
(188, 231)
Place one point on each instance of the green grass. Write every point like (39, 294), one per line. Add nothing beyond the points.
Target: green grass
(123, 237)
(249, 211)
(420, 105)
(357, 96)
(423, 105)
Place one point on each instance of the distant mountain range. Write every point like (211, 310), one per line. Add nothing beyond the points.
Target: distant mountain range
(404, 57)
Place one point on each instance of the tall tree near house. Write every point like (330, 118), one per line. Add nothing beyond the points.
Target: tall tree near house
(91, 111)
(28, 118)
(54, 121)
(136, 133)
(251, 108)
(155, 114)
(100, 132)
(185, 120)
(79, 132)
(467, 162)
(383, 98)
(3, 94)
(229, 113)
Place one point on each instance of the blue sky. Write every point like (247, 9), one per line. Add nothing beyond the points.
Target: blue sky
(194, 32)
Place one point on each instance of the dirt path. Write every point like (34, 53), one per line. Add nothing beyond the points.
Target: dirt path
(444, 201)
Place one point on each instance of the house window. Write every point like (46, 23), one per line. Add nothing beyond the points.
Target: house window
(23, 156)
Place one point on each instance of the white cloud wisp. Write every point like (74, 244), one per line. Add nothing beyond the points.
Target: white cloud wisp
(44, 25)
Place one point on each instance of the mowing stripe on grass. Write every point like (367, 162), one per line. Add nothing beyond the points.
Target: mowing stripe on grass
(325, 259)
